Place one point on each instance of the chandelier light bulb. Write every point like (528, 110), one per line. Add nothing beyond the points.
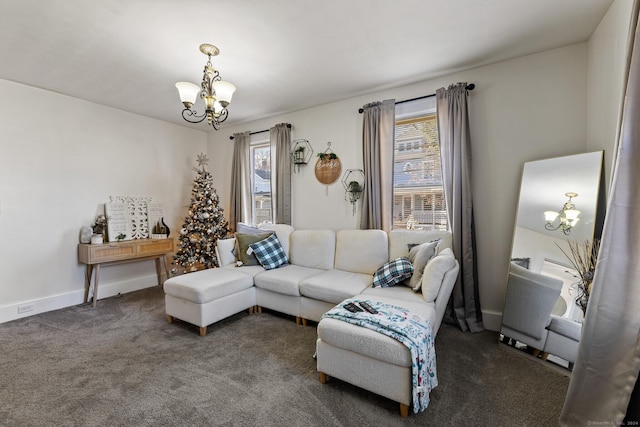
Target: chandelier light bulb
(188, 93)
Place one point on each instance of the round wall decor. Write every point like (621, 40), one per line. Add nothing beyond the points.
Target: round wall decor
(328, 166)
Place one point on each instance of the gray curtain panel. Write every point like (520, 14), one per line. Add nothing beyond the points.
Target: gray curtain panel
(608, 360)
(280, 137)
(455, 149)
(378, 125)
(240, 209)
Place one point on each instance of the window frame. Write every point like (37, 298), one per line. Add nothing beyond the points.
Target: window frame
(255, 144)
(403, 198)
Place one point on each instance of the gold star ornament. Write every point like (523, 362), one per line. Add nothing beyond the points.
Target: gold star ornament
(202, 160)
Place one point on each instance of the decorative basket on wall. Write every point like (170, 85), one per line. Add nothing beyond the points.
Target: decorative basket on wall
(328, 166)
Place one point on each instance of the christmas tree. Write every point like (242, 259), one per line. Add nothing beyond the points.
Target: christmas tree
(203, 226)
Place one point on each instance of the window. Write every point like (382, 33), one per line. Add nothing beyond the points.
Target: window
(261, 182)
(418, 197)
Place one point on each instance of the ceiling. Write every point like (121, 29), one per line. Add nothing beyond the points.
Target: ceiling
(283, 55)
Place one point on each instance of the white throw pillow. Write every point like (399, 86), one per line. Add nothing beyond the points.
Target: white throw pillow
(434, 273)
(226, 251)
(419, 256)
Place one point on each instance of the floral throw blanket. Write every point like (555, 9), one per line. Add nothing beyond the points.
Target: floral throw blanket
(408, 328)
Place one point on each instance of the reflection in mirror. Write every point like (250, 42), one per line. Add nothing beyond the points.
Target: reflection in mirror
(561, 200)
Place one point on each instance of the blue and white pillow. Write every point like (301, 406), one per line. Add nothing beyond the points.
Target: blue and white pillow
(269, 252)
(392, 273)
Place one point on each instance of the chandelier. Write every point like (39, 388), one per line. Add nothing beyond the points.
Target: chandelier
(215, 93)
(568, 216)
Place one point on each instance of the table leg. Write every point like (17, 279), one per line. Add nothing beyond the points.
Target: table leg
(158, 271)
(166, 267)
(95, 285)
(88, 271)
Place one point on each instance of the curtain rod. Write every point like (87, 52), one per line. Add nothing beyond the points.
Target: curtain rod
(470, 86)
(260, 131)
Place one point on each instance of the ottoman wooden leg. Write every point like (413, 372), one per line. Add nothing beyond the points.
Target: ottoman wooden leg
(169, 318)
(203, 331)
(404, 410)
(323, 377)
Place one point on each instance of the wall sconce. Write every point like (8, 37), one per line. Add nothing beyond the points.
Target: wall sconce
(568, 216)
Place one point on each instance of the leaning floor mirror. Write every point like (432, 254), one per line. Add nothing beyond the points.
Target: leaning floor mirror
(560, 214)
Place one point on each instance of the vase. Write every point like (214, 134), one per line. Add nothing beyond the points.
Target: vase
(166, 227)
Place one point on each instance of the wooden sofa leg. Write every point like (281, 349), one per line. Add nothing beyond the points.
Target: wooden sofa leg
(404, 410)
(169, 318)
(250, 310)
(298, 320)
(259, 309)
(304, 322)
(323, 377)
(203, 331)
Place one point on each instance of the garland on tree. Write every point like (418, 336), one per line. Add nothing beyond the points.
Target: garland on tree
(203, 226)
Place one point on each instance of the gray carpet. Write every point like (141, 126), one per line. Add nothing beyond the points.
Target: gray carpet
(122, 364)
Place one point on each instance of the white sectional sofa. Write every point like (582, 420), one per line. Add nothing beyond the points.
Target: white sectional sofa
(325, 268)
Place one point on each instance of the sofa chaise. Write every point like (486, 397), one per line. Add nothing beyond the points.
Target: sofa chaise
(323, 269)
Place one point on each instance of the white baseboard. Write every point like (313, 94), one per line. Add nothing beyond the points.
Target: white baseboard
(56, 302)
(492, 320)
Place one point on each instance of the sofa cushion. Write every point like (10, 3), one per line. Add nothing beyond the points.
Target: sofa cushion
(226, 251)
(313, 248)
(400, 239)
(249, 270)
(419, 256)
(269, 252)
(207, 285)
(393, 272)
(334, 286)
(361, 251)
(284, 280)
(435, 272)
(283, 231)
(398, 293)
(244, 240)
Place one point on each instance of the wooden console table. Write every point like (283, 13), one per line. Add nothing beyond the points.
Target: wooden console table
(122, 252)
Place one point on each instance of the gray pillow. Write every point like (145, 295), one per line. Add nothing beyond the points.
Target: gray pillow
(243, 228)
(419, 257)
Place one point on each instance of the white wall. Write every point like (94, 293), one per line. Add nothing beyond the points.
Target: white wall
(606, 80)
(525, 109)
(61, 158)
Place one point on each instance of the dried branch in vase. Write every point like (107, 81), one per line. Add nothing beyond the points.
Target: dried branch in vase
(583, 258)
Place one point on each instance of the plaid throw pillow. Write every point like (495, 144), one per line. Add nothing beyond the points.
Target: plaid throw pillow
(393, 273)
(269, 252)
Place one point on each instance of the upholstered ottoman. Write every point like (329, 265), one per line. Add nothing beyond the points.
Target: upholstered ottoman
(205, 297)
(368, 359)
(563, 339)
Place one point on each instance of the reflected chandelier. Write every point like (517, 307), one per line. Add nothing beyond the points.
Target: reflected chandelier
(215, 93)
(568, 216)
